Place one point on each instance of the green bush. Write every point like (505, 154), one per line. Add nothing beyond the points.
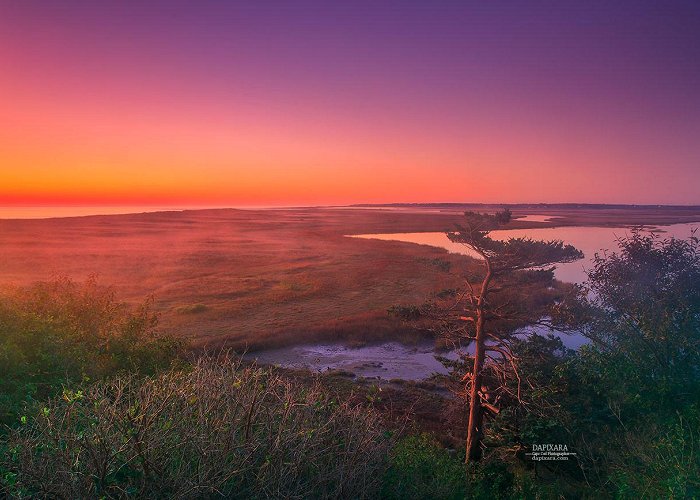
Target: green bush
(656, 460)
(422, 469)
(63, 332)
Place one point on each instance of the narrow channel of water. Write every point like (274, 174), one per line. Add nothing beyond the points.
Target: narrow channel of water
(386, 361)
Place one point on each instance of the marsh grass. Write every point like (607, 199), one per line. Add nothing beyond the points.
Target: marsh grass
(193, 309)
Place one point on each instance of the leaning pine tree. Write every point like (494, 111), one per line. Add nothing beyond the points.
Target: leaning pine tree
(515, 290)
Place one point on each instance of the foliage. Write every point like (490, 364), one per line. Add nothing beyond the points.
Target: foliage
(63, 332)
(422, 469)
(642, 307)
(645, 303)
(630, 399)
(512, 254)
(659, 459)
(219, 429)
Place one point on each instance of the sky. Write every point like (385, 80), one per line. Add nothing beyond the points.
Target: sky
(214, 103)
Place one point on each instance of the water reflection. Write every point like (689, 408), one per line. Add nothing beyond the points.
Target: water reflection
(590, 240)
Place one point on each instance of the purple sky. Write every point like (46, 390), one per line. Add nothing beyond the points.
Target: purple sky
(461, 101)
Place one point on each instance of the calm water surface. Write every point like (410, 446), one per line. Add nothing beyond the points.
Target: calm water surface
(590, 240)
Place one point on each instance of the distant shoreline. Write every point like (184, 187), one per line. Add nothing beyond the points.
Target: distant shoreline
(529, 205)
(57, 212)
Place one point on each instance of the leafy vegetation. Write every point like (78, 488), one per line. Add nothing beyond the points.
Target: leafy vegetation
(62, 333)
(421, 468)
(635, 407)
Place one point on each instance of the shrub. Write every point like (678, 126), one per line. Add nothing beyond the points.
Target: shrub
(656, 460)
(422, 469)
(63, 332)
(219, 429)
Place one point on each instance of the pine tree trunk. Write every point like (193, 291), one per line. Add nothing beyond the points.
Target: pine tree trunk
(476, 413)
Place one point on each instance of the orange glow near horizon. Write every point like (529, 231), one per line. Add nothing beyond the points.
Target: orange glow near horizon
(109, 156)
(96, 111)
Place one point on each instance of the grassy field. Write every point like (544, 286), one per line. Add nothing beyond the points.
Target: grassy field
(255, 278)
